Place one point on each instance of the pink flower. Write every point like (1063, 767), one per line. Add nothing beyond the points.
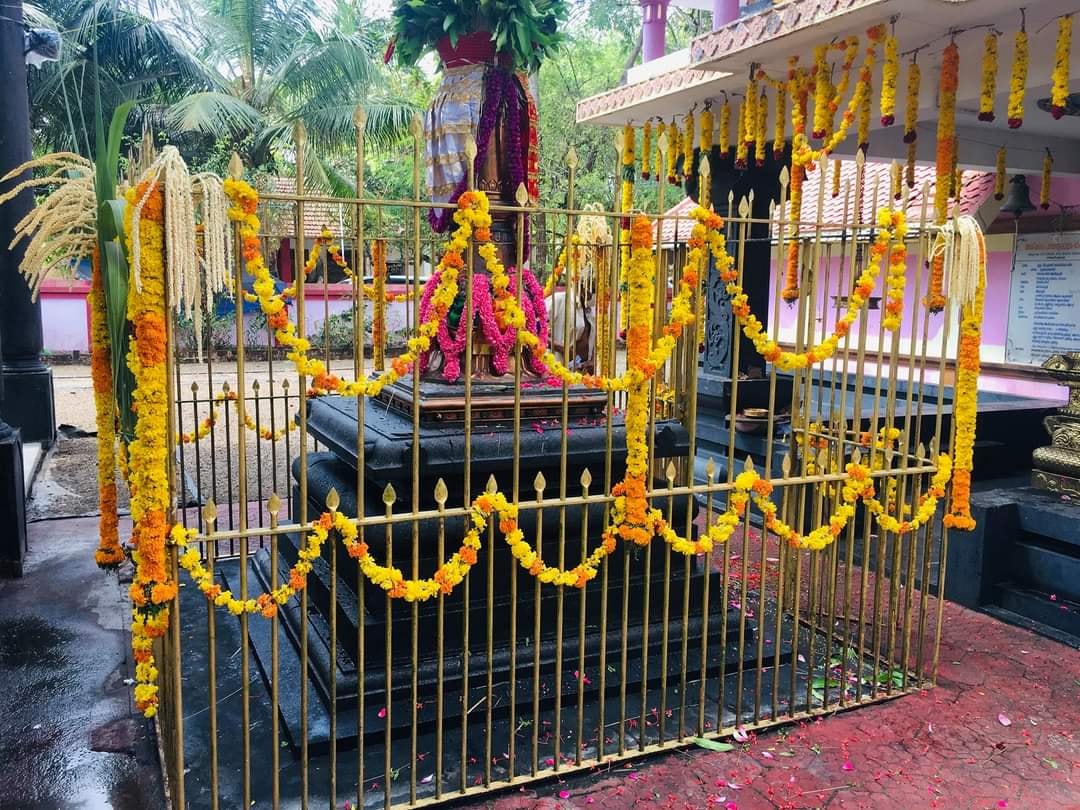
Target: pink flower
(847, 766)
(382, 712)
(564, 794)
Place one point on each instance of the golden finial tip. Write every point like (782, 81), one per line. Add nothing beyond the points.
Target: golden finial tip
(571, 157)
(333, 500)
(389, 495)
(744, 207)
(491, 487)
(785, 464)
(209, 512)
(299, 134)
(273, 504)
(236, 166)
(586, 478)
(748, 465)
(670, 472)
(470, 147)
(785, 176)
(710, 469)
(662, 143)
(416, 126)
(703, 166)
(441, 492)
(856, 457)
(521, 196)
(539, 483)
(359, 117)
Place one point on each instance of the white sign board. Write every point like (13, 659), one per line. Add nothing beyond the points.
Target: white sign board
(1044, 297)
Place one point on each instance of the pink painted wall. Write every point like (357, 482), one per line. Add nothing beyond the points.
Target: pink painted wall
(995, 323)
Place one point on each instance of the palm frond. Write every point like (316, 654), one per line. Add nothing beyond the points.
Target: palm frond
(213, 113)
(331, 125)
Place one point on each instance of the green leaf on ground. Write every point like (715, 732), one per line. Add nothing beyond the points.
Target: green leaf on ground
(712, 745)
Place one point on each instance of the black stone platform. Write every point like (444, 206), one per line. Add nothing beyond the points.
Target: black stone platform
(364, 613)
(1022, 562)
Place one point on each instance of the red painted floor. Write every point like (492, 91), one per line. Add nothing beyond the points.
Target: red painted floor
(1001, 730)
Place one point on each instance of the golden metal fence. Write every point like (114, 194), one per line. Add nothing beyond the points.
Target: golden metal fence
(352, 695)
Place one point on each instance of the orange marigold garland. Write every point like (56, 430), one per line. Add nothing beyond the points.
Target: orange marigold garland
(152, 590)
(1018, 79)
(946, 131)
(1059, 79)
(109, 553)
(965, 410)
(988, 89)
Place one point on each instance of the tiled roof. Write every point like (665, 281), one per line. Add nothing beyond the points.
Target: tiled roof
(279, 219)
(977, 187)
(676, 217)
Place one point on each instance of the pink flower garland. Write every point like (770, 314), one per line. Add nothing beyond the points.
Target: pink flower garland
(452, 346)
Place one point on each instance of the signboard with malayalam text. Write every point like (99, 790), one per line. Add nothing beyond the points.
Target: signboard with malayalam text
(1044, 297)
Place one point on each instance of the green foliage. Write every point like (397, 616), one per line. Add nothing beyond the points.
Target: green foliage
(526, 29)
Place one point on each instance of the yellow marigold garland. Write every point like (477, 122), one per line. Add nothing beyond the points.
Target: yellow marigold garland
(1018, 79)
(152, 590)
(760, 141)
(1059, 79)
(890, 69)
(626, 204)
(892, 228)
(109, 552)
(821, 92)
(750, 116)
(742, 151)
(1044, 189)
(674, 148)
(988, 88)
(911, 119)
(780, 124)
(202, 430)
(999, 174)
(864, 122)
(646, 150)
(661, 129)
(725, 128)
(705, 130)
(688, 145)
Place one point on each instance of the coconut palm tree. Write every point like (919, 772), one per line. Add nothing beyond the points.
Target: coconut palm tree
(108, 46)
(281, 61)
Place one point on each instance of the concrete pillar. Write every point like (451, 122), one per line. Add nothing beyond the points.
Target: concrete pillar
(723, 12)
(28, 391)
(653, 28)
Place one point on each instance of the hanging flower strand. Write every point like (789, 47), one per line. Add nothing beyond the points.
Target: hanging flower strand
(911, 118)
(989, 76)
(725, 128)
(1044, 192)
(1018, 79)
(999, 175)
(646, 150)
(946, 131)
(889, 71)
(673, 152)
(1059, 79)
(760, 141)
(780, 125)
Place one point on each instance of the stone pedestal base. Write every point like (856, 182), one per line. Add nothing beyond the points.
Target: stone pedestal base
(12, 504)
(29, 404)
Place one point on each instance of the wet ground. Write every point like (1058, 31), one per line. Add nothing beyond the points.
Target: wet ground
(68, 735)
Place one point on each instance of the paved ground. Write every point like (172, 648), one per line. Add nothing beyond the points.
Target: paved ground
(1002, 729)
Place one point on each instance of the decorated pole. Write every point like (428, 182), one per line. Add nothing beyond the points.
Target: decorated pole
(20, 320)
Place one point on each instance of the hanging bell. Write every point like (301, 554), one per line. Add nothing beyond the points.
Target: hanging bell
(1018, 202)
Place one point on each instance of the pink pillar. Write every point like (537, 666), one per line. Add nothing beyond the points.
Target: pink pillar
(653, 28)
(723, 12)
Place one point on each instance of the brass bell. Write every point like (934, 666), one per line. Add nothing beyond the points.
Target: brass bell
(1018, 202)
